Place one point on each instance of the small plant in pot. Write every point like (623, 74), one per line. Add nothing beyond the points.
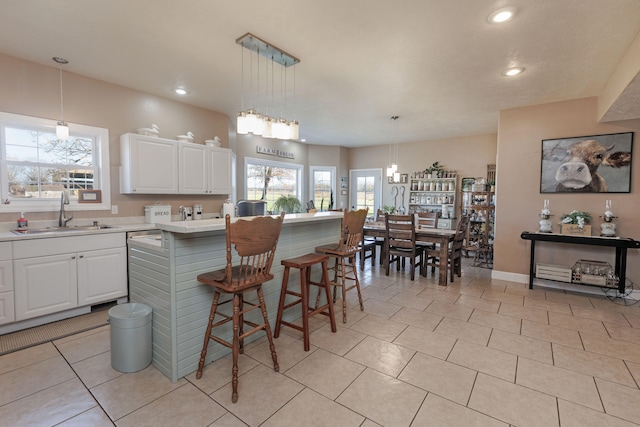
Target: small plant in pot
(287, 204)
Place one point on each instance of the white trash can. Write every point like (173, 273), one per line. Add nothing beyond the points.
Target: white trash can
(130, 337)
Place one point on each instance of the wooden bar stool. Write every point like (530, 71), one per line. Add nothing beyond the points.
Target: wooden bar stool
(304, 264)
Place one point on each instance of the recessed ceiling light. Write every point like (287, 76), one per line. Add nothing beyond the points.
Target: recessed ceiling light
(513, 71)
(180, 91)
(502, 15)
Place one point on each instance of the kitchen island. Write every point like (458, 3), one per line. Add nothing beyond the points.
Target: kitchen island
(163, 271)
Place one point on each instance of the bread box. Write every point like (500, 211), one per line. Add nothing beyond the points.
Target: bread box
(157, 213)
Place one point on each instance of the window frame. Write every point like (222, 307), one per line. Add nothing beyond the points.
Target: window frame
(101, 159)
(312, 171)
(299, 168)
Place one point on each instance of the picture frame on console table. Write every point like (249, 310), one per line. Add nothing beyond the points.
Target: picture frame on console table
(566, 164)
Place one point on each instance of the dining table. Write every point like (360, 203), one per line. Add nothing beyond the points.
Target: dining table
(441, 237)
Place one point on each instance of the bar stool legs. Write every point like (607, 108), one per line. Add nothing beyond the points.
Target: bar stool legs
(304, 264)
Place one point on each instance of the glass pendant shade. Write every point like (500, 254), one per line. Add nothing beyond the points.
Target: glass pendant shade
(268, 127)
(62, 131)
(389, 171)
(280, 129)
(396, 177)
(242, 123)
(294, 129)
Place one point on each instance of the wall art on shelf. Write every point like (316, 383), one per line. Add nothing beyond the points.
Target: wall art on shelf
(587, 164)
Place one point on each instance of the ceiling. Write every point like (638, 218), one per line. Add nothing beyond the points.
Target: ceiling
(435, 63)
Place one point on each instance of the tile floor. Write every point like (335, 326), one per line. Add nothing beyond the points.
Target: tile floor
(476, 353)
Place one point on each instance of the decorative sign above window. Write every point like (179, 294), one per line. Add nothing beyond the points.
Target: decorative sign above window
(274, 152)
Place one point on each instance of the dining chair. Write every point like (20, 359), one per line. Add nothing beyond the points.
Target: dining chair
(400, 243)
(254, 243)
(427, 220)
(454, 254)
(343, 254)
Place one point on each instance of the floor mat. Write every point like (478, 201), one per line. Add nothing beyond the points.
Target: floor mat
(52, 331)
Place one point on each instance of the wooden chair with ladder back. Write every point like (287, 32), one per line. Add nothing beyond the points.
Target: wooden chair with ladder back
(254, 242)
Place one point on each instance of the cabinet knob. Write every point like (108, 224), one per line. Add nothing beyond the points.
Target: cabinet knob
(73, 257)
(81, 256)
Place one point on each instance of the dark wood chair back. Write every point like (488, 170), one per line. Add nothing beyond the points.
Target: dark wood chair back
(400, 242)
(427, 219)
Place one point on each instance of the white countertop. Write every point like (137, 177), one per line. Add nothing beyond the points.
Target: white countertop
(7, 236)
(203, 225)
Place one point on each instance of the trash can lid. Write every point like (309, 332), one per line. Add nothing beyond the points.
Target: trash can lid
(130, 315)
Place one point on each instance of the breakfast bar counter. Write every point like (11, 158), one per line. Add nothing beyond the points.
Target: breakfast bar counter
(163, 276)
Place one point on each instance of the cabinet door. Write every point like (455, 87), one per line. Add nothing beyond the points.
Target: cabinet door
(102, 275)
(7, 314)
(149, 165)
(45, 285)
(219, 170)
(193, 168)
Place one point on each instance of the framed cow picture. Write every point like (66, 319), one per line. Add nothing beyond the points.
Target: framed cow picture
(587, 164)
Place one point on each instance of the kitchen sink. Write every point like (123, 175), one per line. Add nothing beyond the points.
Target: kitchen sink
(68, 229)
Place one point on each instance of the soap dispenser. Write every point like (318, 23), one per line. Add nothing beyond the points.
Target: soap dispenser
(22, 222)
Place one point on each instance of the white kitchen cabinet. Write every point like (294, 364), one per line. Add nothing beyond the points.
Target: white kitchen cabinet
(7, 314)
(102, 275)
(149, 165)
(219, 168)
(57, 274)
(193, 160)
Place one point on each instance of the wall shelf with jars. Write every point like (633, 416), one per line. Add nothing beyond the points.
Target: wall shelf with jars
(480, 207)
(435, 195)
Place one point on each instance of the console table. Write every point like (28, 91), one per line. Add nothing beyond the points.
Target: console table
(620, 243)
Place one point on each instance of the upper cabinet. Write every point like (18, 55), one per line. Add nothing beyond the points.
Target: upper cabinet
(152, 165)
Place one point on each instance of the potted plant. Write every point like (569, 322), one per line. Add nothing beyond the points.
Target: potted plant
(436, 168)
(388, 209)
(287, 204)
(576, 222)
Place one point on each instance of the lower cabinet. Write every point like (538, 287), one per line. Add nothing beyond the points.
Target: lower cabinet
(7, 314)
(49, 277)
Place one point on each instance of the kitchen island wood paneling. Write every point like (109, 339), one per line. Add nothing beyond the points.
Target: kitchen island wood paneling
(162, 274)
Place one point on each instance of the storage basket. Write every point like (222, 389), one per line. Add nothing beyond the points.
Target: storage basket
(574, 230)
(595, 273)
(560, 273)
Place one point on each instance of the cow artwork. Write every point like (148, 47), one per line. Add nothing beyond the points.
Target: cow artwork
(585, 165)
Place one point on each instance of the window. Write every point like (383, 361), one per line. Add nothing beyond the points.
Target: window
(323, 179)
(366, 189)
(268, 180)
(36, 167)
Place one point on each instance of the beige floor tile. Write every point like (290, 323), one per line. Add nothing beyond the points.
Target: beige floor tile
(381, 355)
(411, 301)
(339, 342)
(550, 333)
(218, 373)
(369, 423)
(86, 346)
(289, 351)
(503, 297)
(185, 406)
(450, 310)
(94, 417)
(593, 364)
(615, 348)
(563, 383)
(484, 359)
(445, 379)
(261, 392)
(437, 412)
(315, 409)
(427, 342)
(49, 406)
(418, 318)
(228, 420)
(496, 321)
(465, 331)
(95, 370)
(82, 334)
(618, 332)
(574, 415)
(353, 312)
(521, 345)
(379, 327)
(633, 319)
(326, 373)
(439, 294)
(33, 378)
(127, 393)
(576, 323)
(604, 315)
(575, 300)
(475, 291)
(19, 359)
(381, 308)
(558, 307)
(521, 312)
(480, 303)
(377, 293)
(620, 401)
(512, 403)
(383, 399)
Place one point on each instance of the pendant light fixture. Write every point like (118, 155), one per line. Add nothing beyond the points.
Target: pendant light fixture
(252, 120)
(62, 128)
(392, 170)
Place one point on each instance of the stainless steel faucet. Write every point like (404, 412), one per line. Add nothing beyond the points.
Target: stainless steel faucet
(64, 200)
